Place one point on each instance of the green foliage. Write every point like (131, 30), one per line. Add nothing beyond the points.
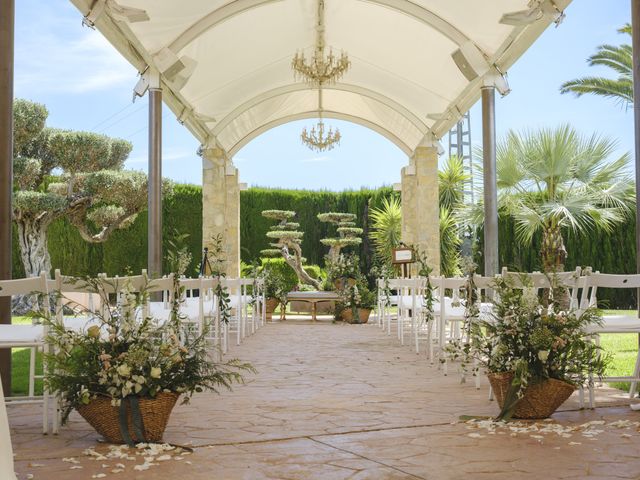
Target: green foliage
(555, 180)
(307, 204)
(283, 278)
(79, 152)
(29, 203)
(535, 342)
(285, 234)
(618, 58)
(450, 243)
(451, 182)
(278, 214)
(29, 120)
(121, 356)
(386, 228)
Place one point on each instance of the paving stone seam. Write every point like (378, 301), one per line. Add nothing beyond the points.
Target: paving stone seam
(412, 475)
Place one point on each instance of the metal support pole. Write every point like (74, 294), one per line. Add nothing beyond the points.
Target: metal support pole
(154, 246)
(7, 14)
(490, 184)
(635, 23)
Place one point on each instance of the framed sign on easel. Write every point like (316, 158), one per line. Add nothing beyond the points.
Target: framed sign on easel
(403, 256)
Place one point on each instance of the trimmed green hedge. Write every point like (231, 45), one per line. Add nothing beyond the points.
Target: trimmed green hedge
(608, 252)
(127, 249)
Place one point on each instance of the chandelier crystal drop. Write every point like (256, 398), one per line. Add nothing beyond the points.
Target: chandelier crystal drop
(319, 139)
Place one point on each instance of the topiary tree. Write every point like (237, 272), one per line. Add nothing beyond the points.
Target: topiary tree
(348, 233)
(287, 240)
(63, 173)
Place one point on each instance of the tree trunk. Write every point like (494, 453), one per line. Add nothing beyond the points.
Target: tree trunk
(552, 251)
(295, 262)
(554, 255)
(32, 238)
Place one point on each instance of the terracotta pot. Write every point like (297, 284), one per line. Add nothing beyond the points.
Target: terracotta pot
(540, 400)
(270, 306)
(363, 313)
(339, 282)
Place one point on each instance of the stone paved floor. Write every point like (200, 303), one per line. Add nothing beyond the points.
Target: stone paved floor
(344, 402)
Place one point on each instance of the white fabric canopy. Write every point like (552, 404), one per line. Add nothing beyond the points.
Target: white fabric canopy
(225, 65)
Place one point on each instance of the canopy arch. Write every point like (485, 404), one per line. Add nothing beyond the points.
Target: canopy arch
(297, 87)
(312, 114)
(272, 108)
(216, 56)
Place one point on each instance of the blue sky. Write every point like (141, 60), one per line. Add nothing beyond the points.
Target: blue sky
(87, 86)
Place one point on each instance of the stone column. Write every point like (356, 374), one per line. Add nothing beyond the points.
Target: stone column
(420, 206)
(221, 206)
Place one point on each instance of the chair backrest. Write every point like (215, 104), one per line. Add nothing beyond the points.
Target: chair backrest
(74, 292)
(596, 280)
(24, 286)
(541, 281)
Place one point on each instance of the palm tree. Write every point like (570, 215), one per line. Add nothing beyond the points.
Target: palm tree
(620, 59)
(387, 228)
(552, 180)
(451, 184)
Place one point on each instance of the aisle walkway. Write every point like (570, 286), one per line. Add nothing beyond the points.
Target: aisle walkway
(343, 402)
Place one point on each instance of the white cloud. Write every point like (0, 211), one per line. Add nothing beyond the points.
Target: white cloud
(56, 55)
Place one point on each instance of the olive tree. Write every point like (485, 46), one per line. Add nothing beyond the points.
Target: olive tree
(72, 174)
(286, 242)
(348, 233)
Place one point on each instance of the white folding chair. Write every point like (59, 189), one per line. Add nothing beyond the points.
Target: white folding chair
(73, 294)
(236, 298)
(28, 336)
(392, 301)
(612, 323)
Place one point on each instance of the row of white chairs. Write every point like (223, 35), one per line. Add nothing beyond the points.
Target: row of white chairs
(198, 309)
(448, 311)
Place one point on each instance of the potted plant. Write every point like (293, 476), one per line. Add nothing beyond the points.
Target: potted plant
(279, 280)
(125, 372)
(343, 270)
(535, 353)
(358, 302)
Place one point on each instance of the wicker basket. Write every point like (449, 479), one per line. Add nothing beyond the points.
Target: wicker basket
(540, 400)
(102, 416)
(363, 313)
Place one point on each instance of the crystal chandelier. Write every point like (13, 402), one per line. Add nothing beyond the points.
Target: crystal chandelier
(320, 69)
(319, 138)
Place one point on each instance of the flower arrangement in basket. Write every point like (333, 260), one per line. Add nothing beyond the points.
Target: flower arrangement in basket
(126, 371)
(535, 352)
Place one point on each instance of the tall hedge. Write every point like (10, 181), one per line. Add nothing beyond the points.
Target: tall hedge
(307, 204)
(127, 249)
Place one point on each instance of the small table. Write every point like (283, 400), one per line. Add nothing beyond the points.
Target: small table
(313, 298)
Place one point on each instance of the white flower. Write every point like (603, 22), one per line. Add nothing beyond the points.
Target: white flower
(124, 370)
(156, 372)
(543, 355)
